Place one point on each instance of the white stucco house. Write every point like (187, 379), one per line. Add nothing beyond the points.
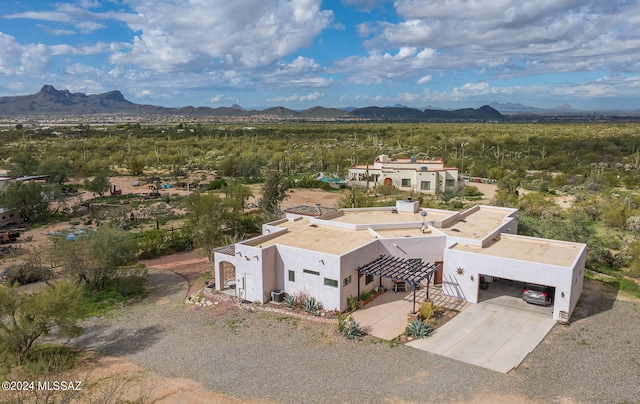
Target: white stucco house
(334, 254)
(412, 174)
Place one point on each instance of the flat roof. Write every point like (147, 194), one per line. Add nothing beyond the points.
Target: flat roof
(408, 232)
(332, 240)
(386, 216)
(552, 252)
(478, 224)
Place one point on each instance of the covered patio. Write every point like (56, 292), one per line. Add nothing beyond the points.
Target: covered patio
(410, 271)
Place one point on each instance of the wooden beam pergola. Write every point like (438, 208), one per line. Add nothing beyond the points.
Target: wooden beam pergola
(412, 271)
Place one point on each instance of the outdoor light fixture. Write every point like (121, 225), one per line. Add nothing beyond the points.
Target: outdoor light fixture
(471, 278)
(562, 294)
(256, 257)
(239, 253)
(321, 261)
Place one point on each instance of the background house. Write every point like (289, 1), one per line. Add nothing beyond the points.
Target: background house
(412, 174)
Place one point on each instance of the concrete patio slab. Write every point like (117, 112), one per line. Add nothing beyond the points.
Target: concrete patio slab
(386, 316)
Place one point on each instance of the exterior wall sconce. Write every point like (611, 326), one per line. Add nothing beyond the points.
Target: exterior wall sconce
(239, 253)
(247, 257)
(471, 278)
(562, 294)
(321, 261)
(256, 257)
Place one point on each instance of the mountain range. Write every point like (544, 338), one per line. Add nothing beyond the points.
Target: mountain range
(50, 101)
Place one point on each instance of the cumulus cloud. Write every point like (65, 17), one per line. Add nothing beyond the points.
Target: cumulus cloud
(296, 98)
(514, 37)
(223, 99)
(194, 35)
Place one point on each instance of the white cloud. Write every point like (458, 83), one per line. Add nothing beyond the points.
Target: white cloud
(191, 35)
(296, 98)
(82, 69)
(223, 99)
(364, 4)
(424, 79)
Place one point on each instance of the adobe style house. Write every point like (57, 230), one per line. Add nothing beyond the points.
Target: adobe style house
(412, 174)
(334, 254)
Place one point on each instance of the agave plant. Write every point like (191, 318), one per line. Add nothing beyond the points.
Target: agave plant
(352, 330)
(311, 306)
(418, 328)
(290, 301)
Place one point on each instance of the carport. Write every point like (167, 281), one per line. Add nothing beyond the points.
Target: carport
(411, 271)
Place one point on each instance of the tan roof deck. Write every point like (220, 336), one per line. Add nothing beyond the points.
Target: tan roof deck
(385, 216)
(408, 232)
(478, 224)
(326, 239)
(550, 252)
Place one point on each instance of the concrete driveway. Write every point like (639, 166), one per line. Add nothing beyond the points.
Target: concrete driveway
(497, 333)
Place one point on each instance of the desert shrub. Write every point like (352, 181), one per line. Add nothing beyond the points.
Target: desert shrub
(471, 190)
(426, 311)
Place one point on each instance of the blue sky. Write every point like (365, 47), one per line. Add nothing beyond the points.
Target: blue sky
(340, 53)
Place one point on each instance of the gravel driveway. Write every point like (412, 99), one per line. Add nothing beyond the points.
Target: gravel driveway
(268, 357)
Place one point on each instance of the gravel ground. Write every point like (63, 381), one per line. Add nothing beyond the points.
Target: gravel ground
(271, 358)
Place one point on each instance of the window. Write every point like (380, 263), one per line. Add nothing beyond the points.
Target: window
(406, 182)
(426, 185)
(346, 281)
(330, 282)
(449, 183)
(368, 279)
(292, 276)
(310, 272)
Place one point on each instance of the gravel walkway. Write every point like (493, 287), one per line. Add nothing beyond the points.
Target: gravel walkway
(268, 357)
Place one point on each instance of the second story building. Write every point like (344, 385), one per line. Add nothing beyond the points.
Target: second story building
(405, 174)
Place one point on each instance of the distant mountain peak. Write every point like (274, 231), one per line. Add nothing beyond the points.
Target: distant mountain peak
(49, 89)
(238, 107)
(564, 107)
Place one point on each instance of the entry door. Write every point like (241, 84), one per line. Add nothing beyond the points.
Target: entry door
(248, 287)
(437, 278)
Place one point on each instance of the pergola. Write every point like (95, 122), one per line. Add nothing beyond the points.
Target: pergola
(411, 271)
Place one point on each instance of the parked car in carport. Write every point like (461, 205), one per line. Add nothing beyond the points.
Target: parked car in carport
(25, 273)
(538, 294)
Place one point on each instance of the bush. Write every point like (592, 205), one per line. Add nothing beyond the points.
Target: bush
(352, 302)
(154, 243)
(471, 190)
(426, 311)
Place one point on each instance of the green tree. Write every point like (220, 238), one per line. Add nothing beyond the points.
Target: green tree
(136, 165)
(507, 192)
(274, 191)
(58, 171)
(25, 317)
(99, 185)
(206, 221)
(536, 204)
(29, 198)
(355, 198)
(24, 163)
(94, 257)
